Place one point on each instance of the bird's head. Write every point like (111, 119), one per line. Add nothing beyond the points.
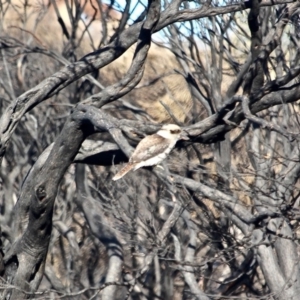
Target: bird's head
(173, 132)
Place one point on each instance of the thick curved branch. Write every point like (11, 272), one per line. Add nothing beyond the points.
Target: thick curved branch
(26, 258)
(214, 128)
(209, 130)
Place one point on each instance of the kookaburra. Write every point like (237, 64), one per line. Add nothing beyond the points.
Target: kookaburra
(153, 149)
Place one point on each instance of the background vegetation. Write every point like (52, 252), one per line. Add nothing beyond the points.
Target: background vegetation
(82, 82)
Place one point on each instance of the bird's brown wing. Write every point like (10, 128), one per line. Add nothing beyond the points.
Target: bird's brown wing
(128, 167)
(149, 147)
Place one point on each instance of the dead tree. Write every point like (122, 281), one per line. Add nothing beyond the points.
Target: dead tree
(218, 219)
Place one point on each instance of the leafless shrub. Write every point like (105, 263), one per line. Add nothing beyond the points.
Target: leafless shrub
(218, 219)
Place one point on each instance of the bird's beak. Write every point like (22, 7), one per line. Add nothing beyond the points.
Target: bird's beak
(184, 136)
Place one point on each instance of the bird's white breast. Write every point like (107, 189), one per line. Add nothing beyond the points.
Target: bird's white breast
(156, 159)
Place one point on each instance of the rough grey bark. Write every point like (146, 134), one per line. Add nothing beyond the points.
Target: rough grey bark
(172, 231)
(25, 260)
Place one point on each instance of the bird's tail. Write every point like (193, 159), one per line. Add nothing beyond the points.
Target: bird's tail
(124, 171)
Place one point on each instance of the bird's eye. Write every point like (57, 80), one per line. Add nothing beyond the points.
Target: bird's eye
(175, 131)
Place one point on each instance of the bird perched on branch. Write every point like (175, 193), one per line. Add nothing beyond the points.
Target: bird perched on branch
(153, 149)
